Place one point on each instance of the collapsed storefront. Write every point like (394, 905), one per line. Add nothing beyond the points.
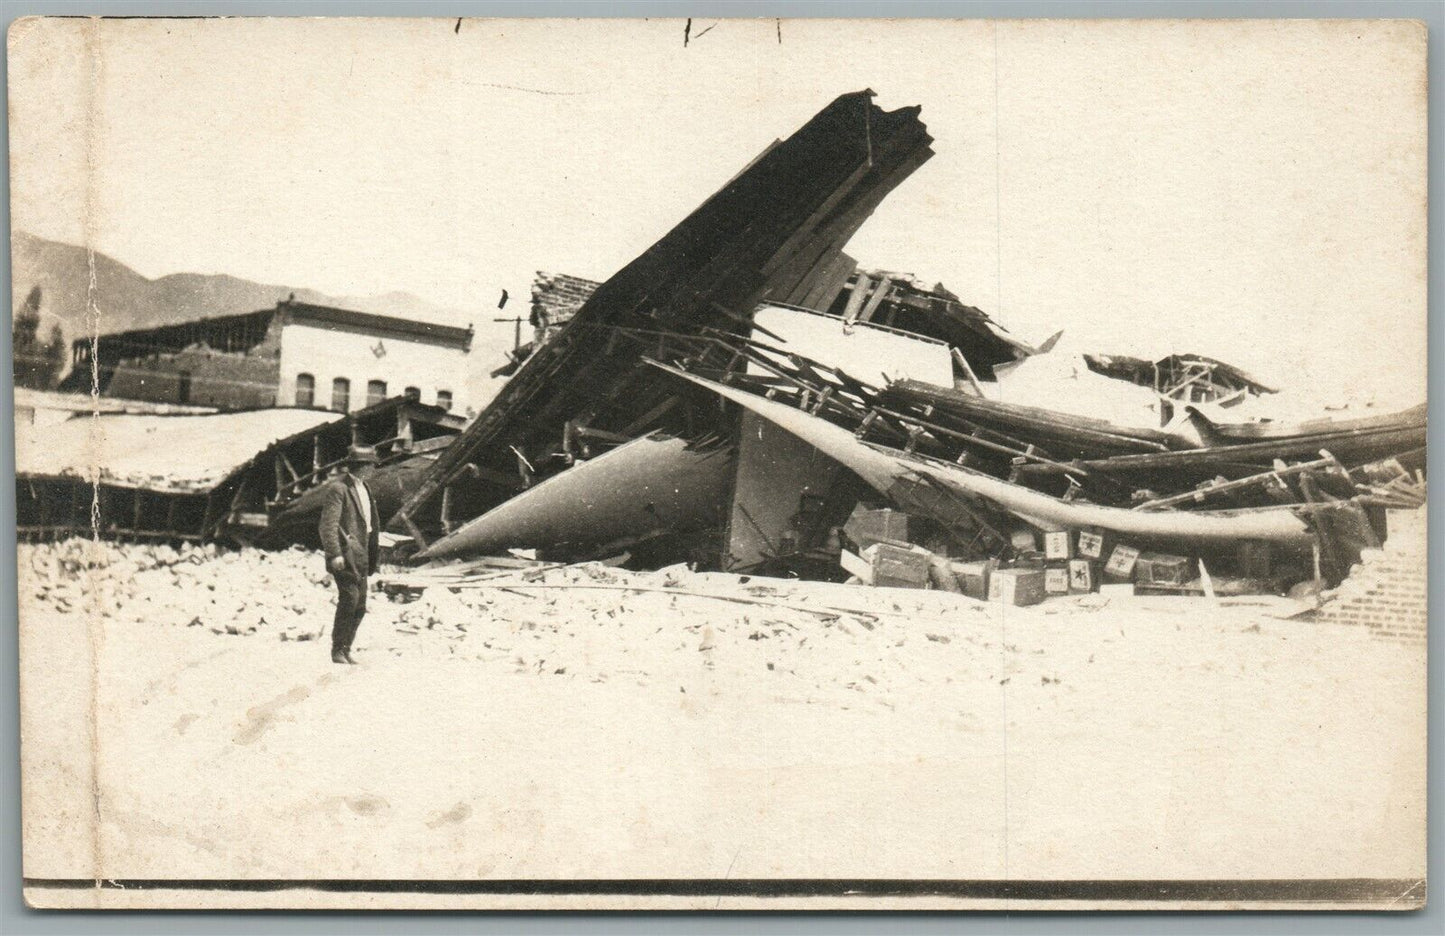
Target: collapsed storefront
(810, 421)
(774, 233)
(743, 397)
(117, 476)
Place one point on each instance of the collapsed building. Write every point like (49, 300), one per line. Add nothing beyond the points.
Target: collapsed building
(274, 498)
(116, 476)
(773, 233)
(846, 410)
(889, 300)
(1185, 378)
(744, 397)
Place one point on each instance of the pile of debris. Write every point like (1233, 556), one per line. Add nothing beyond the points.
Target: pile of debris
(732, 405)
(232, 592)
(775, 232)
(243, 477)
(1150, 508)
(743, 398)
(1183, 378)
(122, 476)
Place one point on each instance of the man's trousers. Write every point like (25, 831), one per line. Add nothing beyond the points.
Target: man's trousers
(350, 608)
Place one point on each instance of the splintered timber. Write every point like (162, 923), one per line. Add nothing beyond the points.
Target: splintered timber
(740, 310)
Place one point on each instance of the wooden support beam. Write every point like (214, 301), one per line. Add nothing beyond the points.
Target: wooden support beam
(1222, 487)
(885, 286)
(73, 512)
(967, 370)
(242, 490)
(632, 429)
(866, 424)
(414, 530)
(588, 432)
(855, 298)
(1029, 453)
(295, 475)
(404, 433)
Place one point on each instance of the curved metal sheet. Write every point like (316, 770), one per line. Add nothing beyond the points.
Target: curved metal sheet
(880, 468)
(649, 485)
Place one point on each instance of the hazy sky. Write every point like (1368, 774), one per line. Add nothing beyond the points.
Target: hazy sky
(1250, 190)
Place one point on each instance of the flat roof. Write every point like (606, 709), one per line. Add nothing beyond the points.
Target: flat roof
(330, 317)
(352, 320)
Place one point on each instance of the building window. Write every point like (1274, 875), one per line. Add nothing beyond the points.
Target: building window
(444, 399)
(413, 394)
(305, 390)
(341, 395)
(375, 392)
(183, 387)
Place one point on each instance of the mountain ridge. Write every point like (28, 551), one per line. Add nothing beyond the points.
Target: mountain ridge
(126, 299)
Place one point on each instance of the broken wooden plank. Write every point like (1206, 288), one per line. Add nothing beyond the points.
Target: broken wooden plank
(1215, 488)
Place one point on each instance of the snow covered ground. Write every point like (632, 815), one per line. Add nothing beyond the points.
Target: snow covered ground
(776, 729)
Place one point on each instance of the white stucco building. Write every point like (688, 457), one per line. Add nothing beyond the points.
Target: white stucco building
(296, 354)
(344, 360)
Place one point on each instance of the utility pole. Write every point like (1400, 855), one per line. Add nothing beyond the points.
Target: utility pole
(517, 332)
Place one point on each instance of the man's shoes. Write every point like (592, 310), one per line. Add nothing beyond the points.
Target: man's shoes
(347, 654)
(339, 656)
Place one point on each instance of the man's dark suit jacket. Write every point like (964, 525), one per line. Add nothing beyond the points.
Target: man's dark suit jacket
(342, 527)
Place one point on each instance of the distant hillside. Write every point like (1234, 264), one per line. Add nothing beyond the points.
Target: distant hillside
(129, 300)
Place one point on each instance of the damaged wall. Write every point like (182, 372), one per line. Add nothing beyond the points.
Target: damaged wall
(296, 354)
(556, 297)
(227, 361)
(872, 354)
(203, 377)
(779, 502)
(1387, 592)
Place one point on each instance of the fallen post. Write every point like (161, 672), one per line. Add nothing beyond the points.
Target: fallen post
(1199, 494)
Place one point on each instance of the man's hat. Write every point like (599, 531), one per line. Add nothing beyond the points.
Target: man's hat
(361, 455)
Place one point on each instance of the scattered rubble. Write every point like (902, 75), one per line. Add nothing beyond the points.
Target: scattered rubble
(743, 398)
(285, 595)
(814, 642)
(1387, 592)
(586, 622)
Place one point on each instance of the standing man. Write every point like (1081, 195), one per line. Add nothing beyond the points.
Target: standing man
(349, 537)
